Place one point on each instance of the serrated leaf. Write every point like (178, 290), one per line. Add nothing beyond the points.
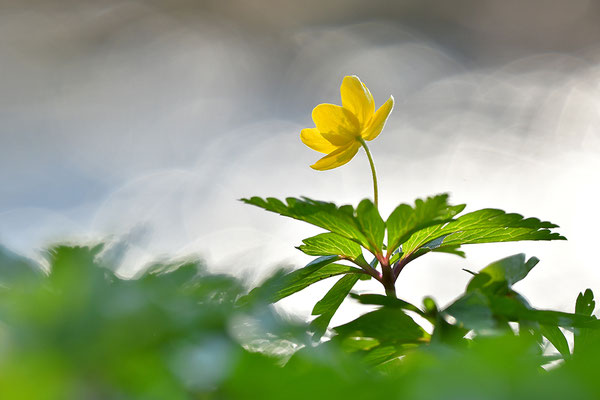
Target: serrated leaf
(436, 246)
(406, 220)
(371, 223)
(500, 275)
(284, 285)
(450, 250)
(341, 220)
(482, 226)
(387, 325)
(328, 244)
(328, 305)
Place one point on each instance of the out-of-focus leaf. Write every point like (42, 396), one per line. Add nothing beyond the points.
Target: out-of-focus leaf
(584, 337)
(557, 338)
(387, 325)
(354, 344)
(500, 275)
(83, 332)
(328, 305)
(473, 311)
(483, 310)
(381, 354)
(16, 268)
(381, 300)
(282, 285)
(341, 220)
(443, 332)
(514, 310)
(406, 220)
(330, 244)
(585, 303)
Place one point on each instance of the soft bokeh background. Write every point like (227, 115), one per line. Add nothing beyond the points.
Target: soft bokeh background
(145, 121)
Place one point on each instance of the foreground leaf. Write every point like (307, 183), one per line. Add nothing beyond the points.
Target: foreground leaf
(387, 325)
(584, 337)
(479, 310)
(500, 275)
(381, 300)
(557, 338)
(328, 305)
(284, 285)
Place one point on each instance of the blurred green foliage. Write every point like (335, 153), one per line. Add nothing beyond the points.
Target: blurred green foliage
(79, 331)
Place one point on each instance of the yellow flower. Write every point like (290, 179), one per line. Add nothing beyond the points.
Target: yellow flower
(340, 130)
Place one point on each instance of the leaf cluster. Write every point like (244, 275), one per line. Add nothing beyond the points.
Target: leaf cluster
(430, 225)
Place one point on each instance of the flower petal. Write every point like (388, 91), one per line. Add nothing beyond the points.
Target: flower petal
(357, 98)
(313, 139)
(338, 158)
(336, 124)
(377, 123)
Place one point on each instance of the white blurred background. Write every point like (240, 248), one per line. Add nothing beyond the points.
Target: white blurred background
(147, 120)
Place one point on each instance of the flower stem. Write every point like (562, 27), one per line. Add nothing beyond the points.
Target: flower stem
(375, 192)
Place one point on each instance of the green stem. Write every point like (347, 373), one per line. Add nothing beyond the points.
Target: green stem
(375, 192)
(388, 281)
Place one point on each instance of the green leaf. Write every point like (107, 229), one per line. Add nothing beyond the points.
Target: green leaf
(341, 220)
(330, 244)
(405, 220)
(514, 310)
(585, 337)
(387, 325)
(450, 250)
(483, 310)
(381, 300)
(557, 338)
(284, 285)
(381, 354)
(16, 268)
(434, 245)
(500, 275)
(482, 226)
(371, 223)
(354, 344)
(473, 311)
(328, 305)
(585, 303)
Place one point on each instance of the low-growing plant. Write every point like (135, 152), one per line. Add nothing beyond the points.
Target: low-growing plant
(489, 304)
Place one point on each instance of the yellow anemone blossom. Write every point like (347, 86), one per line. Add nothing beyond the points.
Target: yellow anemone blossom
(341, 130)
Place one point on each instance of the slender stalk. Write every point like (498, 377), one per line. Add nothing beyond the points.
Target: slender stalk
(375, 192)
